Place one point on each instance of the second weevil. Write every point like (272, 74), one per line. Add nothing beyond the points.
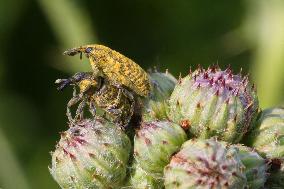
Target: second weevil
(96, 91)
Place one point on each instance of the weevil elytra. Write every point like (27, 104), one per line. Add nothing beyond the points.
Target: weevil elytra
(94, 91)
(118, 69)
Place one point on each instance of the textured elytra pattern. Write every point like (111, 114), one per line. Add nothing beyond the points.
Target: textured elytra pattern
(213, 102)
(268, 135)
(155, 143)
(203, 164)
(115, 67)
(92, 154)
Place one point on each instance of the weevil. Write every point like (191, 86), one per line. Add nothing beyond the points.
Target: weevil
(94, 91)
(118, 69)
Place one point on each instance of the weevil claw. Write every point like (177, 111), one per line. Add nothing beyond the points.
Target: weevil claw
(62, 83)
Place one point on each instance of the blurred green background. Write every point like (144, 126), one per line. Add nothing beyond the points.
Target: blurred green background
(246, 34)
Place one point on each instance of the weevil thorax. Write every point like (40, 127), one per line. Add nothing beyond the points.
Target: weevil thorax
(85, 84)
(94, 53)
(117, 68)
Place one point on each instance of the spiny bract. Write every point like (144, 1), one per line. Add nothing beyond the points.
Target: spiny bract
(255, 166)
(268, 135)
(203, 164)
(140, 179)
(117, 68)
(92, 154)
(156, 106)
(213, 102)
(155, 142)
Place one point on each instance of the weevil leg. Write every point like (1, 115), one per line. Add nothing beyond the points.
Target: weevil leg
(71, 103)
(80, 76)
(117, 100)
(74, 91)
(92, 109)
(62, 83)
(126, 92)
(80, 110)
(131, 99)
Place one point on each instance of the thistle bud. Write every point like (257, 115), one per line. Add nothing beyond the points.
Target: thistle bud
(140, 179)
(205, 164)
(156, 107)
(213, 102)
(91, 154)
(268, 135)
(154, 144)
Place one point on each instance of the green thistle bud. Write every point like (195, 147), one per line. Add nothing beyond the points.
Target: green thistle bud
(154, 144)
(140, 179)
(92, 154)
(268, 135)
(205, 164)
(255, 166)
(213, 102)
(162, 86)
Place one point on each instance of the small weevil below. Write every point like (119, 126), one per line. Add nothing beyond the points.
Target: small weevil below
(117, 103)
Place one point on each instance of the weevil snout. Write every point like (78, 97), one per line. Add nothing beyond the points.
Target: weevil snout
(72, 52)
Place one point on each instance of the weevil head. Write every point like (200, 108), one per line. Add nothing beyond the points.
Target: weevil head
(86, 49)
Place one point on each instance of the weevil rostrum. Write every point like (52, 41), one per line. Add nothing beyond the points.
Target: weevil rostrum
(115, 67)
(96, 91)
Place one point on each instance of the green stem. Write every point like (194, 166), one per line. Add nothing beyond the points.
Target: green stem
(11, 174)
(269, 58)
(72, 27)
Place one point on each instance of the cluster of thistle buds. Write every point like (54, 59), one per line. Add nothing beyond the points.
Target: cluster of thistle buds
(148, 130)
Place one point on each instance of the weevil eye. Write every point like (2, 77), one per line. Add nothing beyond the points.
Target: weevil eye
(88, 50)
